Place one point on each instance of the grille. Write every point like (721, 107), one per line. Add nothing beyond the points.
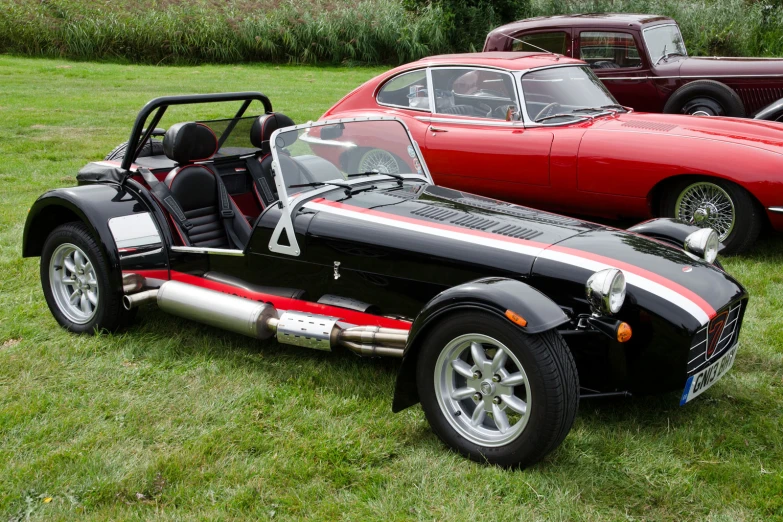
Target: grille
(649, 125)
(517, 232)
(702, 339)
(436, 213)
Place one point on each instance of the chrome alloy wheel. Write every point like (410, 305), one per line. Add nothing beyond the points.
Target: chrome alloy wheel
(74, 283)
(380, 161)
(707, 205)
(482, 390)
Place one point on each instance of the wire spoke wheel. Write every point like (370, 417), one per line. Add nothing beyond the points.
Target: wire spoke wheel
(482, 390)
(377, 160)
(74, 283)
(706, 204)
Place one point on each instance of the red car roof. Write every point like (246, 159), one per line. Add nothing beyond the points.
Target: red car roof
(513, 61)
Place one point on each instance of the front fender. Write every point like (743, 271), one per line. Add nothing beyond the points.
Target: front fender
(492, 294)
(94, 205)
(669, 230)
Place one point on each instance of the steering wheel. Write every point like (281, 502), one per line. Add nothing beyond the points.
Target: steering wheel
(547, 111)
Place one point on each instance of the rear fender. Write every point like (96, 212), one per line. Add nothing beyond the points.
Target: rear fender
(96, 205)
(492, 294)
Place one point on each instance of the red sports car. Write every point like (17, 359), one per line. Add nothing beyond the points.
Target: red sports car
(542, 130)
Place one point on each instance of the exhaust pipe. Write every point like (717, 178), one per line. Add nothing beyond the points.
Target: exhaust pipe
(260, 320)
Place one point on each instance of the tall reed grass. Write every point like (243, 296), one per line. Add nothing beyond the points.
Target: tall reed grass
(338, 31)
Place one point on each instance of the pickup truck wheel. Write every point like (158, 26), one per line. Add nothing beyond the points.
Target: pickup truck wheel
(494, 393)
(705, 98)
(153, 147)
(721, 205)
(76, 285)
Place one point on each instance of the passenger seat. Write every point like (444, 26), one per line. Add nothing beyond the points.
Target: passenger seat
(260, 166)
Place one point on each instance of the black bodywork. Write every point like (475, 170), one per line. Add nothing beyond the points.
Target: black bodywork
(417, 261)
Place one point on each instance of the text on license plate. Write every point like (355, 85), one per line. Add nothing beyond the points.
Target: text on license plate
(699, 382)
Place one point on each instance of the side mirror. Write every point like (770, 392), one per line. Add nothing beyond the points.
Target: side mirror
(332, 132)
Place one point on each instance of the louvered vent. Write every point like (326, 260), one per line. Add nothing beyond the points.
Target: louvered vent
(517, 232)
(649, 125)
(475, 222)
(436, 213)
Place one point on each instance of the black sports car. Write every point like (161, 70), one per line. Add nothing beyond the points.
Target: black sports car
(504, 316)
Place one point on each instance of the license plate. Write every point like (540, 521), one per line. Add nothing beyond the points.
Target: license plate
(699, 382)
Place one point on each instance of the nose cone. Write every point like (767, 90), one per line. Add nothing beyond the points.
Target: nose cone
(660, 278)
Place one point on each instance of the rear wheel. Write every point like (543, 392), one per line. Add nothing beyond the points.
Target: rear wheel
(494, 393)
(76, 284)
(721, 205)
(705, 98)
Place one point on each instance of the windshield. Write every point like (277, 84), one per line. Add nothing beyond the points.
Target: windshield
(339, 152)
(561, 94)
(664, 40)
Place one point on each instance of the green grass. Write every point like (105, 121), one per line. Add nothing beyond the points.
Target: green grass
(173, 420)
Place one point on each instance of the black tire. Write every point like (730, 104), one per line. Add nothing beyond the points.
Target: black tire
(153, 147)
(705, 96)
(552, 377)
(748, 216)
(109, 313)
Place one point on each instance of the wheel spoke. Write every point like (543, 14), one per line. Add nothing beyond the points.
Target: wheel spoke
(84, 304)
(478, 415)
(462, 393)
(78, 259)
(74, 297)
(69, 264)
(68, 281)
(499, 361)
(478, 354)
(514, 379)
(93, 298)
(500, 418)
(462, 368)
(515, 403)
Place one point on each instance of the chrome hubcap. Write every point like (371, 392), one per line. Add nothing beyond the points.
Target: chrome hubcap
(493, 409)
(74, 283)
(380, 161)
(707, 205)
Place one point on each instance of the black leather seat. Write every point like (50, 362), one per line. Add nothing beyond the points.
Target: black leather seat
(197, 189)
(260, 133)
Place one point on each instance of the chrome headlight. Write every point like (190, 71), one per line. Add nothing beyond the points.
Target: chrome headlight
(703, 243)
(606, 291)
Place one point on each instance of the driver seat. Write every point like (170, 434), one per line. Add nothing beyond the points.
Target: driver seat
(212, 219)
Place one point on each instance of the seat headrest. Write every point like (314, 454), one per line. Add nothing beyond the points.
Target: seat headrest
(265, 125)
(188, 142)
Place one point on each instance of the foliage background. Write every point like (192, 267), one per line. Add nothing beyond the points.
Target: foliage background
(340, 31)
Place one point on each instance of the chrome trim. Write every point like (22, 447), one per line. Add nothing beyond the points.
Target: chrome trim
(140, 254)
(776, 209)
(430, 91)
(461, 121)
(334, 143)
(307, 330)
(206, 250)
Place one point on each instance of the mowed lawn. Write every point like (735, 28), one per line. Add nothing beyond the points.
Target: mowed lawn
(174, 420)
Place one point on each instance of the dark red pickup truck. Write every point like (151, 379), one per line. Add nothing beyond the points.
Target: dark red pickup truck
(643, 62)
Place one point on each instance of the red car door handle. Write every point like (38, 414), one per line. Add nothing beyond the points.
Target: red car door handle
(438, 129)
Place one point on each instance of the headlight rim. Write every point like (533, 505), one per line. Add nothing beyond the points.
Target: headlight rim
(599, 290)
(703, 243)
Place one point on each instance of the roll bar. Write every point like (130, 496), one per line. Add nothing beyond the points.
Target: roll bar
(139, 135)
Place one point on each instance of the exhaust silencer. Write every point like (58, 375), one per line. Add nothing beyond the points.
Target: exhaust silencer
(217, 309)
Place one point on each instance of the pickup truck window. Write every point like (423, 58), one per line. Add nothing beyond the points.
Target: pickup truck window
(663, 41)
(556, 42)
(608, 50)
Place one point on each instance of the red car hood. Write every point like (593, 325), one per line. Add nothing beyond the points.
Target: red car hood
(752, 133)
(717, 66)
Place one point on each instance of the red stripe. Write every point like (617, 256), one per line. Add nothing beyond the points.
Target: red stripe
(281, 303)
(668, 283)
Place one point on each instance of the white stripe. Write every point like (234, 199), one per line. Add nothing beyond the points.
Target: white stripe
(553, 255)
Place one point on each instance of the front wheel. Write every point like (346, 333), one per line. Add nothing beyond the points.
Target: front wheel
(721, 205)
(76, 283)
(376, 160)
(494, 393)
